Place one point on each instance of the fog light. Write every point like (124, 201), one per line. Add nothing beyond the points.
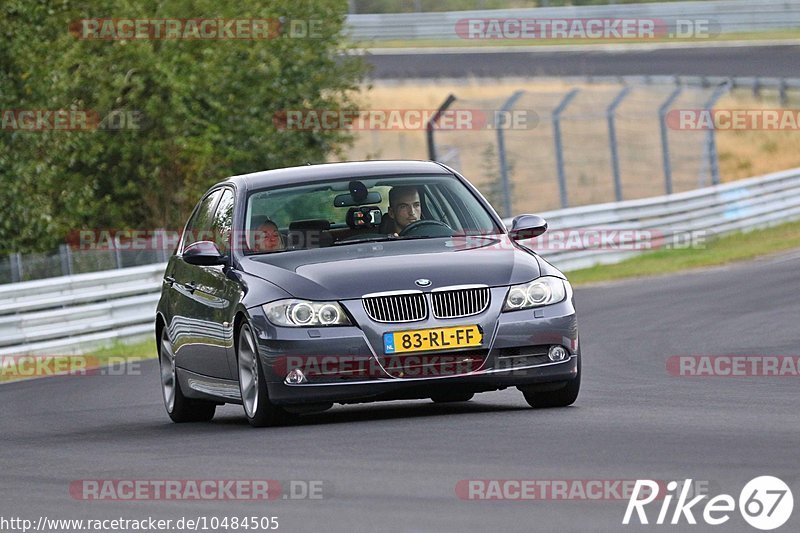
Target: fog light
(295, 377)
(557, 353)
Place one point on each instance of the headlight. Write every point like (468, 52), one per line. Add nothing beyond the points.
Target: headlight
(543, 291)
(302, 313)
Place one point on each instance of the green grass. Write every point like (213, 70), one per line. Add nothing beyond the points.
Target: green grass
(454, 43)
(720, 251)
(115, 355)
(140, 350)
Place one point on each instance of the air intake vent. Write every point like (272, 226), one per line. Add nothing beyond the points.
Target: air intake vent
(460, 302)
(396, 307)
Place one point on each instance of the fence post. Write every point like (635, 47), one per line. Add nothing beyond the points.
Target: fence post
(662, 120)
(161, 243)
(782, 86)
(66, 259)
(711, 142)
(612, 140)
(117, 252)
(562, 179)
(13, 263)
(432, 122)
(16, 267)
(501, 149)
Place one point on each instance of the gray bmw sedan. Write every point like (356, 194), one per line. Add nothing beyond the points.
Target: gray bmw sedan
(294, 289)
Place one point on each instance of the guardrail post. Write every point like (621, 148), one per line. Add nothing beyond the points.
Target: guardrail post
(501, 149)
(612, 140)
(429, 127)
(711, 142)
(662, 120)
(562, 179)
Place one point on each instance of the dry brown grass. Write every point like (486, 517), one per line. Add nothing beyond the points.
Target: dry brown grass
(743, 154)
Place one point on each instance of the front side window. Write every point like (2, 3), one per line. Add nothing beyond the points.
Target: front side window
(222, 222)
(199, 226)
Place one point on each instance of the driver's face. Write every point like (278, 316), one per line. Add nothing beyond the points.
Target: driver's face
(406, 211)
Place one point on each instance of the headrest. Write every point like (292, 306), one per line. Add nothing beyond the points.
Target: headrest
(258, 220)
(317, 224)
(311, 233)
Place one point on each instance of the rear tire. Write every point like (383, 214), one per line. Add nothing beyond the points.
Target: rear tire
(179, 408)
(558, 398)
(260, 412)
(452, 397)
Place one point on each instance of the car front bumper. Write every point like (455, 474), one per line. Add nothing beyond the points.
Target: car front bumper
(347, 364)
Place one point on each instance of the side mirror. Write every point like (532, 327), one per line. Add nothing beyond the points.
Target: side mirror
(203, 253)
(527, 227)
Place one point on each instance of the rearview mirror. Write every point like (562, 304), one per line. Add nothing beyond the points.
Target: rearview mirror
(203, 253)
(347, 200)
(527, 227)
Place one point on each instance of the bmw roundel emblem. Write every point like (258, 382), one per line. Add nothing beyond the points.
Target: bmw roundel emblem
(423, 282)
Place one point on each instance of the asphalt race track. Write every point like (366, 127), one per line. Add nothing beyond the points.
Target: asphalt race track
(395, 466)
(766, 61)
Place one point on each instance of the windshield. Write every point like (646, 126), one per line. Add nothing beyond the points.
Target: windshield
(354, 210)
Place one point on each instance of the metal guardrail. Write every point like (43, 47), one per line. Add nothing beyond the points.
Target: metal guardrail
(724, 16)
(671, 220)
(72, 314)
(76, 313)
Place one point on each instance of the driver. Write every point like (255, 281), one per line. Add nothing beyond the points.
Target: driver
(404, 207)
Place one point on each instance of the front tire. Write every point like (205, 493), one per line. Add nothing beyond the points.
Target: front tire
(558, 398)
(179, 408)
(260, 412)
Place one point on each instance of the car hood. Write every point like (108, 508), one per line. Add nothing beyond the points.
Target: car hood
(351, 271)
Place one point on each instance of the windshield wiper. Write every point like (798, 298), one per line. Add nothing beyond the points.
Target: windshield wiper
(366, 239)
(384, 238)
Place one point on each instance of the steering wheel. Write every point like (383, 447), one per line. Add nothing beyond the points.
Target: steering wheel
(440, 229)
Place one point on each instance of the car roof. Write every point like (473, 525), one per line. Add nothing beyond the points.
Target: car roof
(327, 171)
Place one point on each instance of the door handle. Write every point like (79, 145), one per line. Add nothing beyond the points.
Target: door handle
(191, 286)
(169, 280)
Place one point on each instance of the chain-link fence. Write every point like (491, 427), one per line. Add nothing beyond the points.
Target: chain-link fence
(543, 150)
(68, 260)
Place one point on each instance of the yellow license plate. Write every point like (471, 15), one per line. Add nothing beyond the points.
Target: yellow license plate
(432, 339)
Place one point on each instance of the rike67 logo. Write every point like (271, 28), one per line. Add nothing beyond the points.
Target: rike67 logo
(765, 503)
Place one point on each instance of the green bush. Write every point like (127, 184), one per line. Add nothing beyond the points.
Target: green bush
(204, 110)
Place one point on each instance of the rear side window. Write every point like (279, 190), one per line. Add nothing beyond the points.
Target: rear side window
(199, 226)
